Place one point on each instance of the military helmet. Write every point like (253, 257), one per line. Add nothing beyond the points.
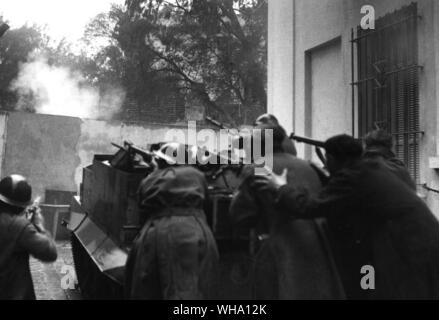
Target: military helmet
(266, 119)
(15, 191)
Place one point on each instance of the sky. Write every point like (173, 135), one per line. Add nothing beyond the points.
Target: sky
(63, 18)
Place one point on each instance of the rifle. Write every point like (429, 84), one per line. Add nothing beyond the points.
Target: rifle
(222, 126)
(33, 208)
(316, 143)
(216, 123)
(124, 158)
(129, 146)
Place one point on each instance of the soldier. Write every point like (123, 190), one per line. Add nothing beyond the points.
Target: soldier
(292, 261)
(378, 146)
(376, 221)
(19, 238)
(175, 255)
(271, 121)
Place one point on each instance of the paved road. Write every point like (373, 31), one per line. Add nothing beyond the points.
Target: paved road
(49, 278)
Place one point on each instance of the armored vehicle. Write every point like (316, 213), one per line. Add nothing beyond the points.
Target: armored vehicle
(104, 220)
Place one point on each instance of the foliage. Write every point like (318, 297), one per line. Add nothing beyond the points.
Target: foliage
(211, 52)
(214, 50)
(15, 47)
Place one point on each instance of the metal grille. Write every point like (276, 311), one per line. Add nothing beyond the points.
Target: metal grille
(387, 84)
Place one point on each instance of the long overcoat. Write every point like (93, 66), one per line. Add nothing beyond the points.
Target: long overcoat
(175, 255)
(376, 220)
(295, 261)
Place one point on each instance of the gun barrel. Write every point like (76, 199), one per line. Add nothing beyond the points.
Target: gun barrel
(146, 154)
(316, 143)
(117, 146)
(231, 132)
(216, 123)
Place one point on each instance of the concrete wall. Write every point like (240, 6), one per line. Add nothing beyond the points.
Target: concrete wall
(96, 137)
(325, 108)
(315, 23)
(281, 41)
(42, 148)
(326, 101)
(3, 118)
(307, 26)
(52, 150)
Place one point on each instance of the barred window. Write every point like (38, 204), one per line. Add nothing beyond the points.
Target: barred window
(387, 84)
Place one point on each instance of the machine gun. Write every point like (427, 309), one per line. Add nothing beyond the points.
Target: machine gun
(125, 158)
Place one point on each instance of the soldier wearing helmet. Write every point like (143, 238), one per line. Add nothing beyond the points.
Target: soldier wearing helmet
(20, 237)
(175, 255)
(269, 121)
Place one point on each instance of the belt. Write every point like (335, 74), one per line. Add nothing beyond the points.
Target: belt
(178, 212)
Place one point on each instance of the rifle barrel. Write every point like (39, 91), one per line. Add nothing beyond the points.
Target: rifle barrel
(137, 150)
(316, 143)
(216, 123)
(142, 152)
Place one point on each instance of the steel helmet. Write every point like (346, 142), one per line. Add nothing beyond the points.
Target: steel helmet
(266, 119)
(15, 191)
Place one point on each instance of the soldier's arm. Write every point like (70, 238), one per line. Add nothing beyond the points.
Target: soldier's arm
(339, 193)
(38, 243)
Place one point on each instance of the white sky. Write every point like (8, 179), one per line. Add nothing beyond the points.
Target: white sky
(63, 18)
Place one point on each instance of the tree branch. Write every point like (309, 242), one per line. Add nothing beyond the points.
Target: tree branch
(227, 8)
(197, 87)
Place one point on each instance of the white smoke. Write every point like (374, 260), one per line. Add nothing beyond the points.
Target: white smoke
(61, 91)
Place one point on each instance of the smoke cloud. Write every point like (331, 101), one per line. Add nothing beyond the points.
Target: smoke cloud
(62, 91)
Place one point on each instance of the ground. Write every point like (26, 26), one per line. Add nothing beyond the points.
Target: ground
(49, 278)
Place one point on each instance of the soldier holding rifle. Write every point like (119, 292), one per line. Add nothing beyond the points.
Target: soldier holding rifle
(292, 255)
(22, 233)
(375, 219)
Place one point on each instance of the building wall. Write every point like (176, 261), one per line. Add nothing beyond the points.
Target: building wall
(308, 26)
(3, 118)
(42, 149)
(325, 106)
(52, 150)
(320, 23)
(280, 61)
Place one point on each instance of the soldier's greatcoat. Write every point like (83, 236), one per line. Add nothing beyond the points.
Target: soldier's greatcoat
(175, 255)
(19, 238)
(295, 262)
(377, 220)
